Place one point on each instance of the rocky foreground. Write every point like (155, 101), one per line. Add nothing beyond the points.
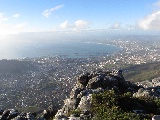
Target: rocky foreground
(79, 106)
(87, 96)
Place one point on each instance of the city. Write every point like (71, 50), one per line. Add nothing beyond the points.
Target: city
(49, 80)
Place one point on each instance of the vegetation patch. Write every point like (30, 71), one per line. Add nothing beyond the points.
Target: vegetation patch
(111, 106)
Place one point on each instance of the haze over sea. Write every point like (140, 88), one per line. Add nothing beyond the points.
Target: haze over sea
(63, 49)
(53, 20)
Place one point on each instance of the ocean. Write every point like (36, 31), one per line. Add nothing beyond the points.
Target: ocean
(63, 49)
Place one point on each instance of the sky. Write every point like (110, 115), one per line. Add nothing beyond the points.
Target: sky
(72, 16)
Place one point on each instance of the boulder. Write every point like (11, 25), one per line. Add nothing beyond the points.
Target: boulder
(83, 79)
(85, 103)
(94, 83)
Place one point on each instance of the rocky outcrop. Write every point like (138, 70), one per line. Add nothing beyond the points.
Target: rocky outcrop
(12, 114)
(151, 89)
(78, 106)
(80, 100)
(151, 92)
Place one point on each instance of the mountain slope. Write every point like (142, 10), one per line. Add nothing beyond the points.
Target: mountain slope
(137, 73)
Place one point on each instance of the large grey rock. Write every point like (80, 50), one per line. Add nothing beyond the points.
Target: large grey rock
(83, 79)
(85, 103)
(94, 83)
(88, 84)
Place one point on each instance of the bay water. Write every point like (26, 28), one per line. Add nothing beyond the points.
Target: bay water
(66, 49)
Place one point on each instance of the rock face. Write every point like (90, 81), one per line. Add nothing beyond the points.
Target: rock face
(87, 84)
(12, 114)
(150, 89)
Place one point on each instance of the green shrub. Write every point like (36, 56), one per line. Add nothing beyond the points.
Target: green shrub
(76, 112)
(111, 106)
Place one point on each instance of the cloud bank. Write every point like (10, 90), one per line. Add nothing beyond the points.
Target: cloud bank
(77, 25)
(150, 22)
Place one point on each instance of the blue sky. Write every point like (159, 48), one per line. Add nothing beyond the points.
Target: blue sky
(19, 16)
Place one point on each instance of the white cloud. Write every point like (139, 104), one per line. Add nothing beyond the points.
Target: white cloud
(48, 12)
(57, 7)
(77, 25)
(2, 18)
(65, 25)
(81, 24)
(16, 15)
(116, 25)
(150, 22)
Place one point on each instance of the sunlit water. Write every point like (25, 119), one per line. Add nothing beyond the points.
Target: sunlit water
(63, 49)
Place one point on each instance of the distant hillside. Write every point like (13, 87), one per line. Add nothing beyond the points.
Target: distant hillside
(142, 72)
(15, 66)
